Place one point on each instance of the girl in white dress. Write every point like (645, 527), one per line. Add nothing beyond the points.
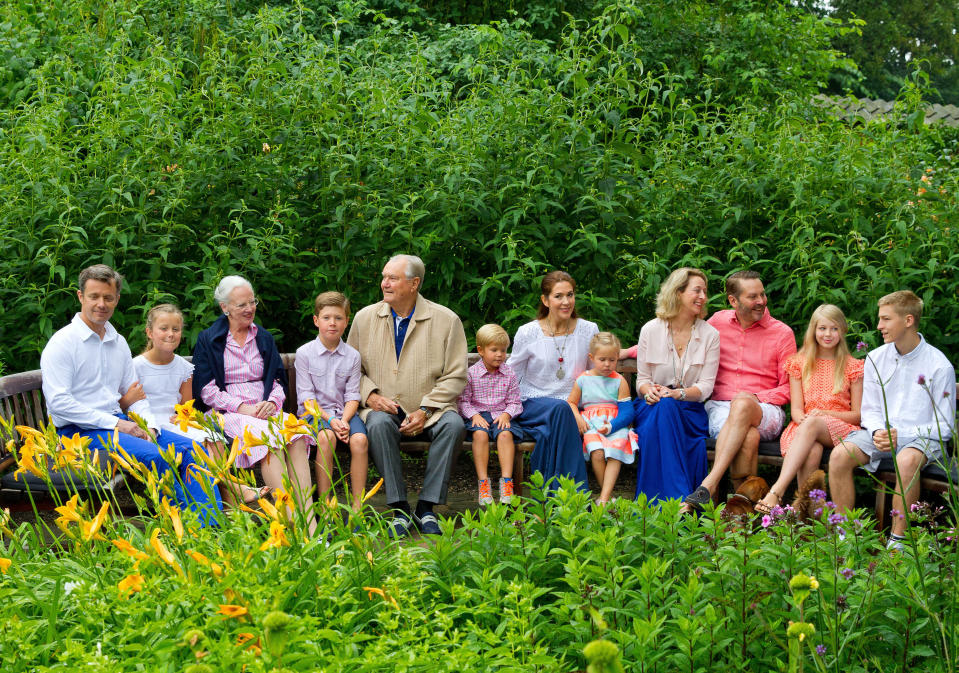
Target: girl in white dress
(166, 379)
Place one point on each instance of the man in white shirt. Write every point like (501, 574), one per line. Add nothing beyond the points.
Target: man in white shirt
(908, 408)
(86, 366)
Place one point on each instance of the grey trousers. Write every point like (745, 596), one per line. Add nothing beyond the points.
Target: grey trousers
(446, 440)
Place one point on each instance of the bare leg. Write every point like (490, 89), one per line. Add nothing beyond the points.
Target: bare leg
(598, 459)
(909, 461)
(609, 479)
(506, 450)
(481, 454)
(325, 443)
(746, 462)
(811, 464)
(844, 459)
(298, 469)
(745, 414)
(812, 432)
(359, 466)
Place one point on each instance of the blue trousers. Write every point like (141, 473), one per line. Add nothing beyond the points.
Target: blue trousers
(559, 446)
(193, 497)
(672, 447)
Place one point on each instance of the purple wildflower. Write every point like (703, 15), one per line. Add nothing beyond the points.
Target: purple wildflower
(830, 504)
(861, 346)
(691, 612)
(836, 518)
(767, 520)
(872, 566)
(841, 532)
(776, 511)
(817, 494)
(895, 513)
(788, 508)
(821, 649)
(922, 380)
(848, 573)
(817, 512)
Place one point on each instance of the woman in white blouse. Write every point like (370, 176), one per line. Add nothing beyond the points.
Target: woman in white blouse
(676, 362)
(548, 354)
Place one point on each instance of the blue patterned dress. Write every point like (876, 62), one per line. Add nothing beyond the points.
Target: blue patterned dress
(598, 397)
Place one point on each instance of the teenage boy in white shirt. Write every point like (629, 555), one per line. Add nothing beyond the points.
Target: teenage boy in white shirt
(908, 408)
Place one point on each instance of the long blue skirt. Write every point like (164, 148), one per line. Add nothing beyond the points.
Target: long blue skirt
(672, 447)
(559, 447)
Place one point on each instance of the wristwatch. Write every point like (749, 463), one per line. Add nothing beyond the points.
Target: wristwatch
(427, 411)
(682, 393)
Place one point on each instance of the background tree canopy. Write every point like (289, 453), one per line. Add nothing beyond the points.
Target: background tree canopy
(301, 143)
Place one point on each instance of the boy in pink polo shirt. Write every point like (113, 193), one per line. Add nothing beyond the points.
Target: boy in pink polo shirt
(751, 384)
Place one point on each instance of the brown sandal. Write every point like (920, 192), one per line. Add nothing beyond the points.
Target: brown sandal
(763, 508)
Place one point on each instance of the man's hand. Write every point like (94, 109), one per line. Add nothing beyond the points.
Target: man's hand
(884, 440)
(377, 402)
(413, 424)
(131, 428)
(479, 421)
(502, 421)
(340, 428)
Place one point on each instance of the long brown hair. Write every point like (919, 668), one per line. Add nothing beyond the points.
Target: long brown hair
(546, 286)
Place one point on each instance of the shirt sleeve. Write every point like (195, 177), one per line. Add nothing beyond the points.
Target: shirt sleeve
(465, 402)
(57, 371)
(218, 399)
(304, 383)
(644, 374)
(707, 375)
(141, 407)
(941, 388)
(277, 394)
(871, 411)
(353, 381)
(779, 395)
(451, 382)
(632, 351)
(514, 405)
(359, 331)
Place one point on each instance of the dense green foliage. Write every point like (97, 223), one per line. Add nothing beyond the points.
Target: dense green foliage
(301, 143)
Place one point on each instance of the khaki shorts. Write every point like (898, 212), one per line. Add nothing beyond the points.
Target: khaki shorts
(931, 448)
(771, 426)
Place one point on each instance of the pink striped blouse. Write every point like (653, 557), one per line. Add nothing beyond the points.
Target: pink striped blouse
(243, 375)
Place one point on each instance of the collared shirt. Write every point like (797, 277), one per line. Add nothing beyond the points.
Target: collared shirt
(496, 392)
(331, 377)
(657, 361)
(751, 360)
(243, 376)
(84, 377)
(400, 325)
(891, 381)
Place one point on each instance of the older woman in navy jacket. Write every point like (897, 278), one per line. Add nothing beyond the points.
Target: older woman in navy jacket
(238, 372)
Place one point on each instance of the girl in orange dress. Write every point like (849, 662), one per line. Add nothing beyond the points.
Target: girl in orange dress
(825, 385)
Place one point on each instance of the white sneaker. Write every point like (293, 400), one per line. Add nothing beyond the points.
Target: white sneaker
(892, 544)
(485, 493)
(505, 490)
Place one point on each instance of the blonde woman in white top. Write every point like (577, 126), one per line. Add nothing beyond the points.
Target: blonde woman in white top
(676, 361)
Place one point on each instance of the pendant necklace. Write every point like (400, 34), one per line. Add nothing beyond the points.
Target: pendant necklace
(678, 375)
(560, 352)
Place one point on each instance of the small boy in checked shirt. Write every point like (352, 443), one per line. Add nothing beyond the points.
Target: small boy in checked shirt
(489, 401)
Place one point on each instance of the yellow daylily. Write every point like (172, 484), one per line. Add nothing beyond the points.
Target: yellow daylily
(32, 433)
(26, 460)
(293, 426)
(373, 490)
(283, 499)
(5, 519)
(130, 583)
(5, 564)
(185, 414)
(277, 537)
(170, 455)
(71, 448)
(70, 511)
(129, 549)
(163, 552)
(249, 441)
(174, 515)
(267, 507)
(312, 408)
(385, 596)
(235, 449)
(91, 529)
(233, 610)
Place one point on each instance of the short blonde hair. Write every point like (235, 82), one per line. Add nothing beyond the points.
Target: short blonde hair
(667, 301)
(491, 335)
(603, 340)
(325, 299)
(904, 302)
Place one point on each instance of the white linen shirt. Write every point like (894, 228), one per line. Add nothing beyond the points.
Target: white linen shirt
(85, 376)
(926, 410)
(535, 359)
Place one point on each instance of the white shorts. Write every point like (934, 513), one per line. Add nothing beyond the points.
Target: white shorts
(770, 427)
(931, 448)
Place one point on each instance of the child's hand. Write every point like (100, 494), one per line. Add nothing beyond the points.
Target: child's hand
(583, 425)
(479, 421)
(340, 429)
(133, 394)
(502, 421)
(604, 429)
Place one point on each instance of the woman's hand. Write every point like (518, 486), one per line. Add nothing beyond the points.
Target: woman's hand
(652, 395)
(263, 409)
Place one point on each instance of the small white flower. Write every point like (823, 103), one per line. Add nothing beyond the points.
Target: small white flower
(69, 587)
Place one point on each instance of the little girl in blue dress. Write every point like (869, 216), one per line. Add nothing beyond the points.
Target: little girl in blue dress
(608, 441)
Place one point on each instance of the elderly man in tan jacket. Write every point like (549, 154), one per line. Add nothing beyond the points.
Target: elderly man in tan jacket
(413, 355)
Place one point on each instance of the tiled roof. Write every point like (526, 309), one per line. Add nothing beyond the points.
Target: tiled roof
(867, 109)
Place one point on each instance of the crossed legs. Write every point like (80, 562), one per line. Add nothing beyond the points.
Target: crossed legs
(737, 446)
(801, 460)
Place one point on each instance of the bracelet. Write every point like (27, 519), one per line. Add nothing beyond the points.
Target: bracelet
(682, 394)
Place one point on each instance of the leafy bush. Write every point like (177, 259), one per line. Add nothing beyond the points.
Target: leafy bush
(302, 144)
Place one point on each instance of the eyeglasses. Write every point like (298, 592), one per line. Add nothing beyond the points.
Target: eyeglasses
(247, 304)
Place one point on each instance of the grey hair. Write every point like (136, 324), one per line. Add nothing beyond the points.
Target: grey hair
(414, 266)
(229, 283)
(102, 273)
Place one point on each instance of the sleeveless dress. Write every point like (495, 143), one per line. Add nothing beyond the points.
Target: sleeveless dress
(599, 395)
(818, 394)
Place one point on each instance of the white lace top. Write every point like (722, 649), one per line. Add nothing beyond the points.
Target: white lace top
(535, 359)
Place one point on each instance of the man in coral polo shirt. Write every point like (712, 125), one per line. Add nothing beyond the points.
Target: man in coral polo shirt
(751, 386)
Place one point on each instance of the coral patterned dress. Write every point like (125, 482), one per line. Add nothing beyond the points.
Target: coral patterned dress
(818, 394)
(599, 397)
